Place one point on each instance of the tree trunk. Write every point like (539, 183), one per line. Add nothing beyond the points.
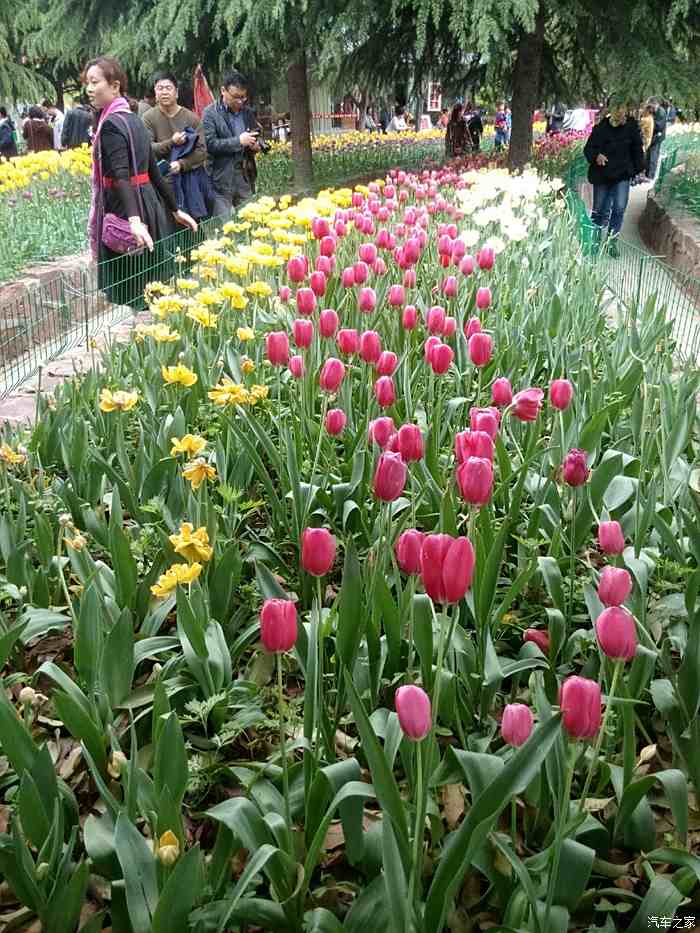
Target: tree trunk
(526, 89)
(300, 120)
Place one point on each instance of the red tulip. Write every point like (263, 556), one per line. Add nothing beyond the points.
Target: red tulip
(389, 477)
(284, 293)
(610, 538)
(340, 228)
(473, 444)
(318, 284)
(445, 245)
(327, 246)
(348, 341)
(347, 277)
(408, 550)
(410, 443)
(332, 375)
(397, 296)
(447, 567)
(387, 363)
(483, 298)
(277, 347)
(440, 358)
(317, 551)
(527, 404)
(297, 268)
(303, 332)
(517, 723)
(367, 300)
(409, 319)
(320, 227)
(486, 258)
(580, 702)
(538, 637)
(414, 712)
(412, 250)
(501, 392)
(370, 346)
(296, 366)
(617, 633)
(575, 470)
(485, 419)
(475, 480)
(328, 323)
(306, 301)
(436, 320)
(381, 430)
(324, 264)
(614, 586)
(361, 271)
(384, 391)
(480, 349)
(560, 394)
(336, 420)
(471, 327)
(278, 625)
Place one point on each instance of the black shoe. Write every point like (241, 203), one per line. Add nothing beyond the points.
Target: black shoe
(613, 249)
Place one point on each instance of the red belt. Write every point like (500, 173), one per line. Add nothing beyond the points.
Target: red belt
(135, 181)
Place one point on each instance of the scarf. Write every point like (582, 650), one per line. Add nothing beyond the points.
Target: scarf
(118, 105)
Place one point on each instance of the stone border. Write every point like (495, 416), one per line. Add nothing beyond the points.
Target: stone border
(672, 234)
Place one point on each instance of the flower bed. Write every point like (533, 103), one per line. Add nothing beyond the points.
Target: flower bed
(289, 579)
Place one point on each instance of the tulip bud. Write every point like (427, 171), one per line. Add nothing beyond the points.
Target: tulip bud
(340, 228)
(397, 296)
(449, 287)
(436, 320)
(471, 327)
(332, 375)
(580, 702)
(575, 470)
(527, 404)
(347, 277)
(348, 341)
(466, 266)
(306, 301)
(317, 551)
(361, 272)
(27, 696)
(320, 227)
(610, 538)
(324, 264)
(284, 293)
(480, 349)
(380, 430)
(410, 443)
(327, 246)
(318, 284)
(501, 392)
(440, 358)
(475, 480)
(297, 267)
(447, 567)
(614, 586)
(445, 245)
(485, 419)
(116, 764)
(473, 444)
(409, 319)
(368, 253)
(370, 346)
(483, 298)
(538, 637)
(296, 366)
(617, 633)
(414, 712)
(450, 328)
(408, 549)
(409, 278)
(277, 347)
(485, 258)
(328, 323)
(168, 850)
(560, 394)
(367, 300)
(389, 477)
(412, 250)
(278, 625)
(336, 420)
(384, 391)
(303, 331)
(387, 363)
(516, 725)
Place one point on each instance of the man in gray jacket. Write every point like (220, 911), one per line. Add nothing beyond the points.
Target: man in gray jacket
(231, 133)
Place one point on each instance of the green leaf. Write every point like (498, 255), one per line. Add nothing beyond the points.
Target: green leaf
(170, 767)
(39, 622)
(67, 904)
(661, 900)
(8, 641)
(89, 637)
(123, 564)
(676, 857)
(15, 739)
(350, 609)
(138, 864)
(549, 568)
(321, 920)
(117, 667)
(181, 892)
(254, 865)
(191, 624)
(575, 866)
(395, 879)
(223, 581)
(82, 727)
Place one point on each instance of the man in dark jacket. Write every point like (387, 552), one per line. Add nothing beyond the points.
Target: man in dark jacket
(231, 134)
(616, 155)
(77, 125)
(657, 138)
(8, 141)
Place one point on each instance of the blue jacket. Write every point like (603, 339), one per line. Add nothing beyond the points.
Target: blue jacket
(193, 190)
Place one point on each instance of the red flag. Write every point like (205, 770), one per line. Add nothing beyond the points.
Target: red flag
(202, 93)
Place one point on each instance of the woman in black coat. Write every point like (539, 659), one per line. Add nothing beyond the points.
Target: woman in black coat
(616, 156)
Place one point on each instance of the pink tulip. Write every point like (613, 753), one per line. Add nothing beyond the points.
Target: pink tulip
(414, 712)
(296, 366)
(408, 549)
(317, 551)
(560, 394)
(409, 318)
(575, 470)
(348, 341)
(436, 320)
(379, 266)
(441, 358)
(447, 567)
(387, 363)
(320, 227)
(486, 258)
(284, 293)
(527, 404)
(409, 278)
(297, 268)
(384, 391)
(580, 703)
(370, 346)
(318, 284)
(483, 298)
(306, 301)
(517, 724)
(303, 331)
(336, 419)
(277, 347)
(473, 444)
(475, 480)
(278, 625)
(450, 328)
(466, 266)
(501, 392)
(332, 375)
(381, 430)
(412, 250)
(480, 349)
(410, 443)
(328, 323)
(361, 271)
(397, 296)
(610, 538)
(538, 637)
(325, 265)
(614, 586)
(471, 327)
(449, 287)
(459, 248)
(340, 228)
(617, 633)
(445, 245)
(485, 419)
(367, 300)
(389, 477)
(327, 246)
(347, 277)
(368, 253)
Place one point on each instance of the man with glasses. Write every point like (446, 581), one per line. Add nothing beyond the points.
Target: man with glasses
(167, 123)
(231, 133)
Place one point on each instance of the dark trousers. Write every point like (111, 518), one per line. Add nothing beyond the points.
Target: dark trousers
(653, 158)
(225, 201)
(609, 203)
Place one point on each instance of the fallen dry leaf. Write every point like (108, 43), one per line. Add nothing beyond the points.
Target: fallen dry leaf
(453, 804)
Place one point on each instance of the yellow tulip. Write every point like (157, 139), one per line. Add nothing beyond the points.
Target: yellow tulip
(190, 444)
(182, 574)
(197, 472)
(118, 401)
(179, 375)
(191, 544)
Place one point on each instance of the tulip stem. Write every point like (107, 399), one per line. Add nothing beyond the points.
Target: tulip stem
(559, 839)
(283, 743)
(601, 735)
(411, 594)
(572, 554)
(417, 861)
(321, 428)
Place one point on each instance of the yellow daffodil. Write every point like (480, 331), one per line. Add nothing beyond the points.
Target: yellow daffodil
(178, 375)
(187, 285)
(197, 472)
(182, 574)
(118, 401)
(259, 289)
(161, 333)
(229, 392)
(247, 365)
(168, 850)
(190, 444)
(191, 544)
(202, 316)
(245, 333)
(235, 265)
(165, 305)
(258, 393)
(10, 456)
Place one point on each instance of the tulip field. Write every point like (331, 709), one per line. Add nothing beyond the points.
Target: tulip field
(358, 590)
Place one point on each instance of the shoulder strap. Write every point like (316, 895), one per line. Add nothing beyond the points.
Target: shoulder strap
(132, 151)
